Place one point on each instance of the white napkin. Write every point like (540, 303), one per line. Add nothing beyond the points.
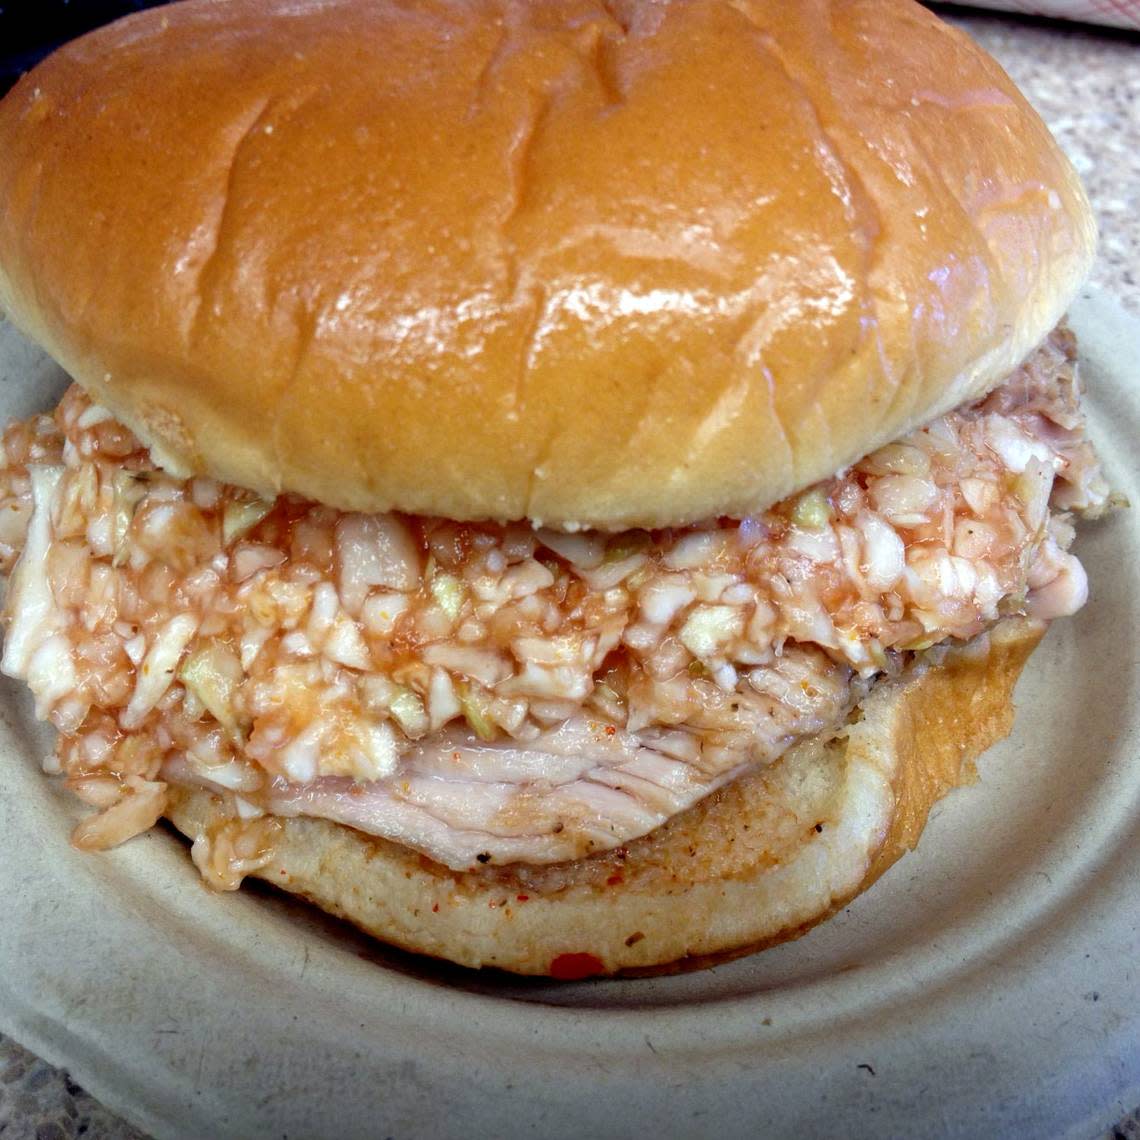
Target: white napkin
(1118, 13)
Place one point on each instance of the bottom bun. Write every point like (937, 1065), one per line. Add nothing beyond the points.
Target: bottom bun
(758, 862)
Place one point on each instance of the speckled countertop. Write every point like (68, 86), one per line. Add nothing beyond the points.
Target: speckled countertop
(1086, 84)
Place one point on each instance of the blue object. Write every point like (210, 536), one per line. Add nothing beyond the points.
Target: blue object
(30, 29)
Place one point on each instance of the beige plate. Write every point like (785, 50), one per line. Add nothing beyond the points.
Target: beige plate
(987, 986)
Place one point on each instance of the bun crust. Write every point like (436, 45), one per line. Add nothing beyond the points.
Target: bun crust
(606, 264)
(757, 863)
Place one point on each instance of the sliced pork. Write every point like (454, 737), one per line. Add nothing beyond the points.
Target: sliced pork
(488, 693)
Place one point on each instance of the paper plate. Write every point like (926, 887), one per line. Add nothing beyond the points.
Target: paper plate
(987, 985)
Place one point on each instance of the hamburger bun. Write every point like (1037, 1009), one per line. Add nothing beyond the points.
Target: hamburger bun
(612, 265)
(582, 264)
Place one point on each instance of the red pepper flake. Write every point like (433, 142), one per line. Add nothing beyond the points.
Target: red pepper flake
(523, 898)
(611, 730)
(575, 967)
(615, 879)
(435, 908)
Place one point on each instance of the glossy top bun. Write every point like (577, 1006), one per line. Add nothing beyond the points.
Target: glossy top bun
(606, 264)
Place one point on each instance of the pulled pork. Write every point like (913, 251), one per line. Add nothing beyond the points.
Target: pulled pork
(494, 693)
